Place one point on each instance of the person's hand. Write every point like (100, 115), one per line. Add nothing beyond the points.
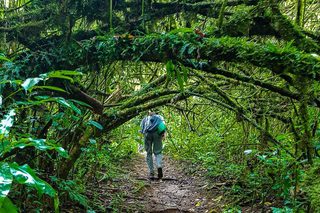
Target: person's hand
(164, 136)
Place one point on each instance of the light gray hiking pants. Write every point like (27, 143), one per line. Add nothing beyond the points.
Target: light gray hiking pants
(153, 144)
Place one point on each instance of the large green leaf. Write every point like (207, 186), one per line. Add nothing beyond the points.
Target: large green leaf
(25, 175)
(8, 206)
(30, 82)
(40, 144)
(6, 123)
(5, 181)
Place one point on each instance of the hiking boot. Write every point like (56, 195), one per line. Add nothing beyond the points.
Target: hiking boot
(160, 174)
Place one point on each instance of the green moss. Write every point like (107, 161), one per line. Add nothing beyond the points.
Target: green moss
(312, 186)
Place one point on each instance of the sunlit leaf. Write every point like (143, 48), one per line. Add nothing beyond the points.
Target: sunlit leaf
(316, 56)
(30, 82)
(25, 175)
(40, 144)
(7, 123)
(247, 152)
(5, 181)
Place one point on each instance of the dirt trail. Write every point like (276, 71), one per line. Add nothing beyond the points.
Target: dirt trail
(177, 192)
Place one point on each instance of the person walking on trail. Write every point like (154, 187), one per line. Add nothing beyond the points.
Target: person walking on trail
(153, 128)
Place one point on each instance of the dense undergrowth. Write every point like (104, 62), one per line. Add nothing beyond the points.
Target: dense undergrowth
(102, 165)
(252, 175)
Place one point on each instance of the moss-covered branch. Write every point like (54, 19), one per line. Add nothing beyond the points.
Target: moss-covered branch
(279, 60)
(246, 79)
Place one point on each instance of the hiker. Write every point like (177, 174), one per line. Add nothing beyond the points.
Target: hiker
(153, 128)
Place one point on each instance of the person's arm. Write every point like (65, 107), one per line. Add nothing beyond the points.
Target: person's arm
(164, 135)
(142, 125)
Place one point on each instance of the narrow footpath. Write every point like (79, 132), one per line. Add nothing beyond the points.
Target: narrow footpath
(177, 192)
(183, 189)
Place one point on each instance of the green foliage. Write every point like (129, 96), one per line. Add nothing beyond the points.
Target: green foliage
(272, 171)
(22, 175)
(71, 190)
(8, 207)
(13, 140)
(40, 144)
(312, 185)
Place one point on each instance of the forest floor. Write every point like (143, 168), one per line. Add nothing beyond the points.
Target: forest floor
(178, 191)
